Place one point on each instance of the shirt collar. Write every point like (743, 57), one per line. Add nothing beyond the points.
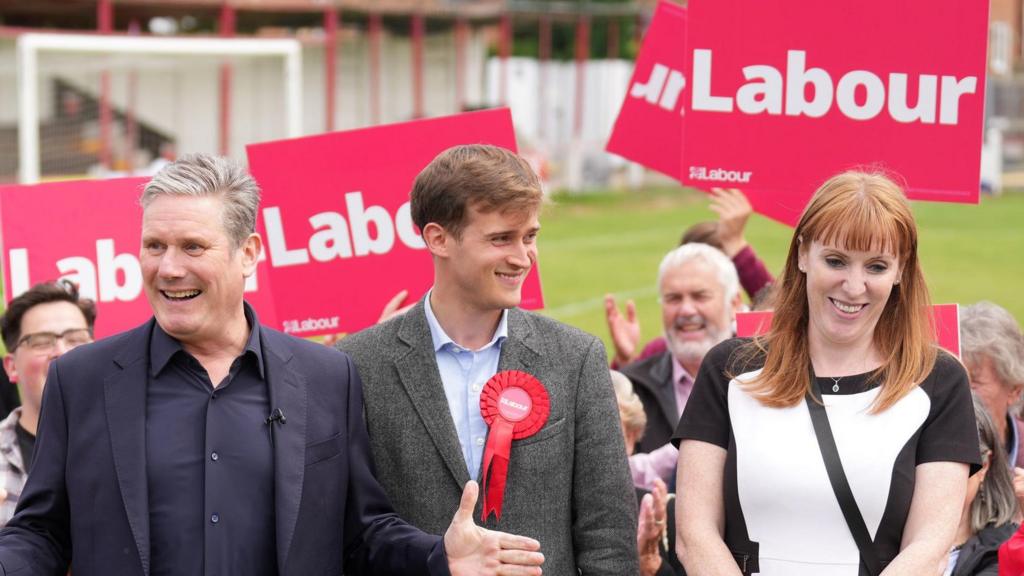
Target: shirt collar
(441, 339)
(678, 372)
(163, 347)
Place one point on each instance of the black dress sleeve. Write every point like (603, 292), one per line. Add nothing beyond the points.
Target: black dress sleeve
(706, 415)
(950, 433)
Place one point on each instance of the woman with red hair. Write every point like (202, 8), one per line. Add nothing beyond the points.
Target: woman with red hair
(840, 443)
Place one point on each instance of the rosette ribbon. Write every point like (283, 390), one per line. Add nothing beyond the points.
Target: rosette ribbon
(515, 405)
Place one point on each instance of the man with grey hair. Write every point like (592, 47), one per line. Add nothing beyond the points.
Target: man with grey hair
(699, 294)
(205, 443)
(992, 348)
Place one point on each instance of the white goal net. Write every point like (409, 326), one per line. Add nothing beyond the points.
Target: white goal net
(88, 105)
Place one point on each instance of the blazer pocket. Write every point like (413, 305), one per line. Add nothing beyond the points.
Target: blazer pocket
(323, 449)
(551, 430)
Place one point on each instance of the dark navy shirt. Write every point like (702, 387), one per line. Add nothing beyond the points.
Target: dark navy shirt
(209, 463)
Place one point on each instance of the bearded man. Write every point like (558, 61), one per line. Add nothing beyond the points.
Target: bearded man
(699, 294)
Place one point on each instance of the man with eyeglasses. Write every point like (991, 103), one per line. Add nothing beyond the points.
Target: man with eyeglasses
(38, 326)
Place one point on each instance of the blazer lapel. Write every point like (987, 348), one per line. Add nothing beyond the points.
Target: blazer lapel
(418, 372)
(125, 399)
(665, 389)
(288, 393)
(522, 347)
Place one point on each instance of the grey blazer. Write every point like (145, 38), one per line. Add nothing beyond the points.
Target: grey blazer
(569, 485)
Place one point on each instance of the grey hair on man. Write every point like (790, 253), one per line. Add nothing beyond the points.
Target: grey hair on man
(725, 270)
(208, 175)
(990, 331)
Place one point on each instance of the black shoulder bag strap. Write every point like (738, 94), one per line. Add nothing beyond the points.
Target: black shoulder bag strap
(840, 485)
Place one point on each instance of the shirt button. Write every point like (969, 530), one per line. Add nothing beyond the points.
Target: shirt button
(215, 518)
(476, 387)
(479, 441)
(214, 456)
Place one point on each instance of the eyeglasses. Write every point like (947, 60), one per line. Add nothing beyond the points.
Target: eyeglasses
(47, 341)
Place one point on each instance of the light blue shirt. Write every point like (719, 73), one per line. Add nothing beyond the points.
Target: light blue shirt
(464, 373)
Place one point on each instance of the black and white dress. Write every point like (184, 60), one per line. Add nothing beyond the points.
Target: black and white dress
(781, 515)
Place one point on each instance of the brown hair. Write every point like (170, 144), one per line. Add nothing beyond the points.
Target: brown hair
(479, 176)
(703, 233)
(42, 293)
(858, 211)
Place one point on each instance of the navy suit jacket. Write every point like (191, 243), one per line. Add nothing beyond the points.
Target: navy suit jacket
(86, 505)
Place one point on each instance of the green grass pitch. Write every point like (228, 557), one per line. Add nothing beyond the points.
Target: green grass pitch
(612, 242)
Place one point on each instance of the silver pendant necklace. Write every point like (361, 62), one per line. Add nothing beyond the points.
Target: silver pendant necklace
(835, 383)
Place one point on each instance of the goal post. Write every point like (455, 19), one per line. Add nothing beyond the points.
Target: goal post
(30, 46)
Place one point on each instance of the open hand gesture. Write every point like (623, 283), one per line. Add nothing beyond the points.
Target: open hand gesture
(476, 551)
(625, 330)
(733, 211)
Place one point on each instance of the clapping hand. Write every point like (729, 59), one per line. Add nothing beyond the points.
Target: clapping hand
(650, 532)
(625, 330)
(476, 551)
(733, 211)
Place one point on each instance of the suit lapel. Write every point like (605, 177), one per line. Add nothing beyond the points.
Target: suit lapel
(125, 400)
(418, 372)
(522, 347)
(288, 393)
(665, 389)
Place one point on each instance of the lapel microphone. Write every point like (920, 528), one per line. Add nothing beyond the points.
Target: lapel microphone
(276, 416)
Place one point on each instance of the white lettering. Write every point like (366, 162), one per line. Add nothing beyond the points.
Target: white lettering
(846, 95)
(651, 89)
(79, 270)
(676, 83)
(18, 260)
(110, 266)
(762, 92)
(295, 326)
(360, 220)
(797, 80)
(406, 231)
(765, 96)
(367, 230)
(702, 98)
(332, 241)
(952, 90)
(924, 111)
(513, 404)
(280, 255)
(719, 175)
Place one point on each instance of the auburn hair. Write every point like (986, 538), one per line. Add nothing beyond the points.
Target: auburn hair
(856, 211)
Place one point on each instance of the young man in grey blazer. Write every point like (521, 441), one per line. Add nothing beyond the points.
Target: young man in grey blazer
(423, 372)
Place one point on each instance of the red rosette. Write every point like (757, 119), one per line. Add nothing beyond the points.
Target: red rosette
(515, 405)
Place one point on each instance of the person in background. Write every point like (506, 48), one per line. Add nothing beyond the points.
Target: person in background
(699, 296)
(992, 348)
(38, 326)
(726, 234)
(656, 530)
(989, 509)
(850, 349)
